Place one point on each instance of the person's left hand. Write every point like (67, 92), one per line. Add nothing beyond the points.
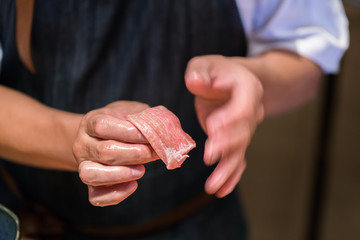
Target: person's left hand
(228, 103)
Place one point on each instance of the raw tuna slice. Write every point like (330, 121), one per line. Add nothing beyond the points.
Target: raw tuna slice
(163, 131)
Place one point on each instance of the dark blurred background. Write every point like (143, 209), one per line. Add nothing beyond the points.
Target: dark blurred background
(303, 176)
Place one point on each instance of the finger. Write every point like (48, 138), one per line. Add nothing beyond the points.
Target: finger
(236, 110)
(113, 153)
(232, 182)
(219, 145)
(231, 126)
(226, 137)
(105, 126)
(123, 108)
(96, 174)
(225, 168)
(212, 153)
(200, 78)
(197, 78)
(111, 195)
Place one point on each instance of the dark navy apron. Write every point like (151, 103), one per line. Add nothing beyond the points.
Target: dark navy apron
(90, 53)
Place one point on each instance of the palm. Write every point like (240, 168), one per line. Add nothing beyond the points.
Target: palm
(228, 106)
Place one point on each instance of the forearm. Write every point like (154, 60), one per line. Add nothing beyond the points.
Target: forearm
(34, 134)
(231, 97)
(288, 79)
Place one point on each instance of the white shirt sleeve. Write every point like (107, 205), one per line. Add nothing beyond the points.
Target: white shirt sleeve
(316, 29)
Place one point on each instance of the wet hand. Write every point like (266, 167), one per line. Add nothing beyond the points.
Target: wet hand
(228, 103)
(111, 152)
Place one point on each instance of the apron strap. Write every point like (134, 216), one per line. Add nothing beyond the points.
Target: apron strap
(24, 17)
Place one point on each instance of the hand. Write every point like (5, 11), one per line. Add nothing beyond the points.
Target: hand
(228, 103)
(110, 152)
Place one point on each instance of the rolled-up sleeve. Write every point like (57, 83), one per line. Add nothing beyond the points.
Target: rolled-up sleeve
(317, 29)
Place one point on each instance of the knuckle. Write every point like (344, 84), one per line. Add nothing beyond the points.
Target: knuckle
(98, 126)
(103, 152)
(78, 149)
(89, 116)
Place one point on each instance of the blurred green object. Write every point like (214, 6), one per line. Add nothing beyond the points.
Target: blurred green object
(9, 224)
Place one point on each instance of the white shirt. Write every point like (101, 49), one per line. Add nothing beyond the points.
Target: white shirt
(316, 29)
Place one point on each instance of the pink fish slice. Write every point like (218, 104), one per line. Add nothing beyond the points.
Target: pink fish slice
(163, 131)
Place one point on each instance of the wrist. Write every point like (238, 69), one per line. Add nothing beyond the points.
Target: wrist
(289, 80)
(66, 127)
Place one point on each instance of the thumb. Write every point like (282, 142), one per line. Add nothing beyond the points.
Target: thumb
(201, 77)
(197, 77)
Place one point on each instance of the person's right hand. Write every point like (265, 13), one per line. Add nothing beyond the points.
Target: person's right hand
(111, 152)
